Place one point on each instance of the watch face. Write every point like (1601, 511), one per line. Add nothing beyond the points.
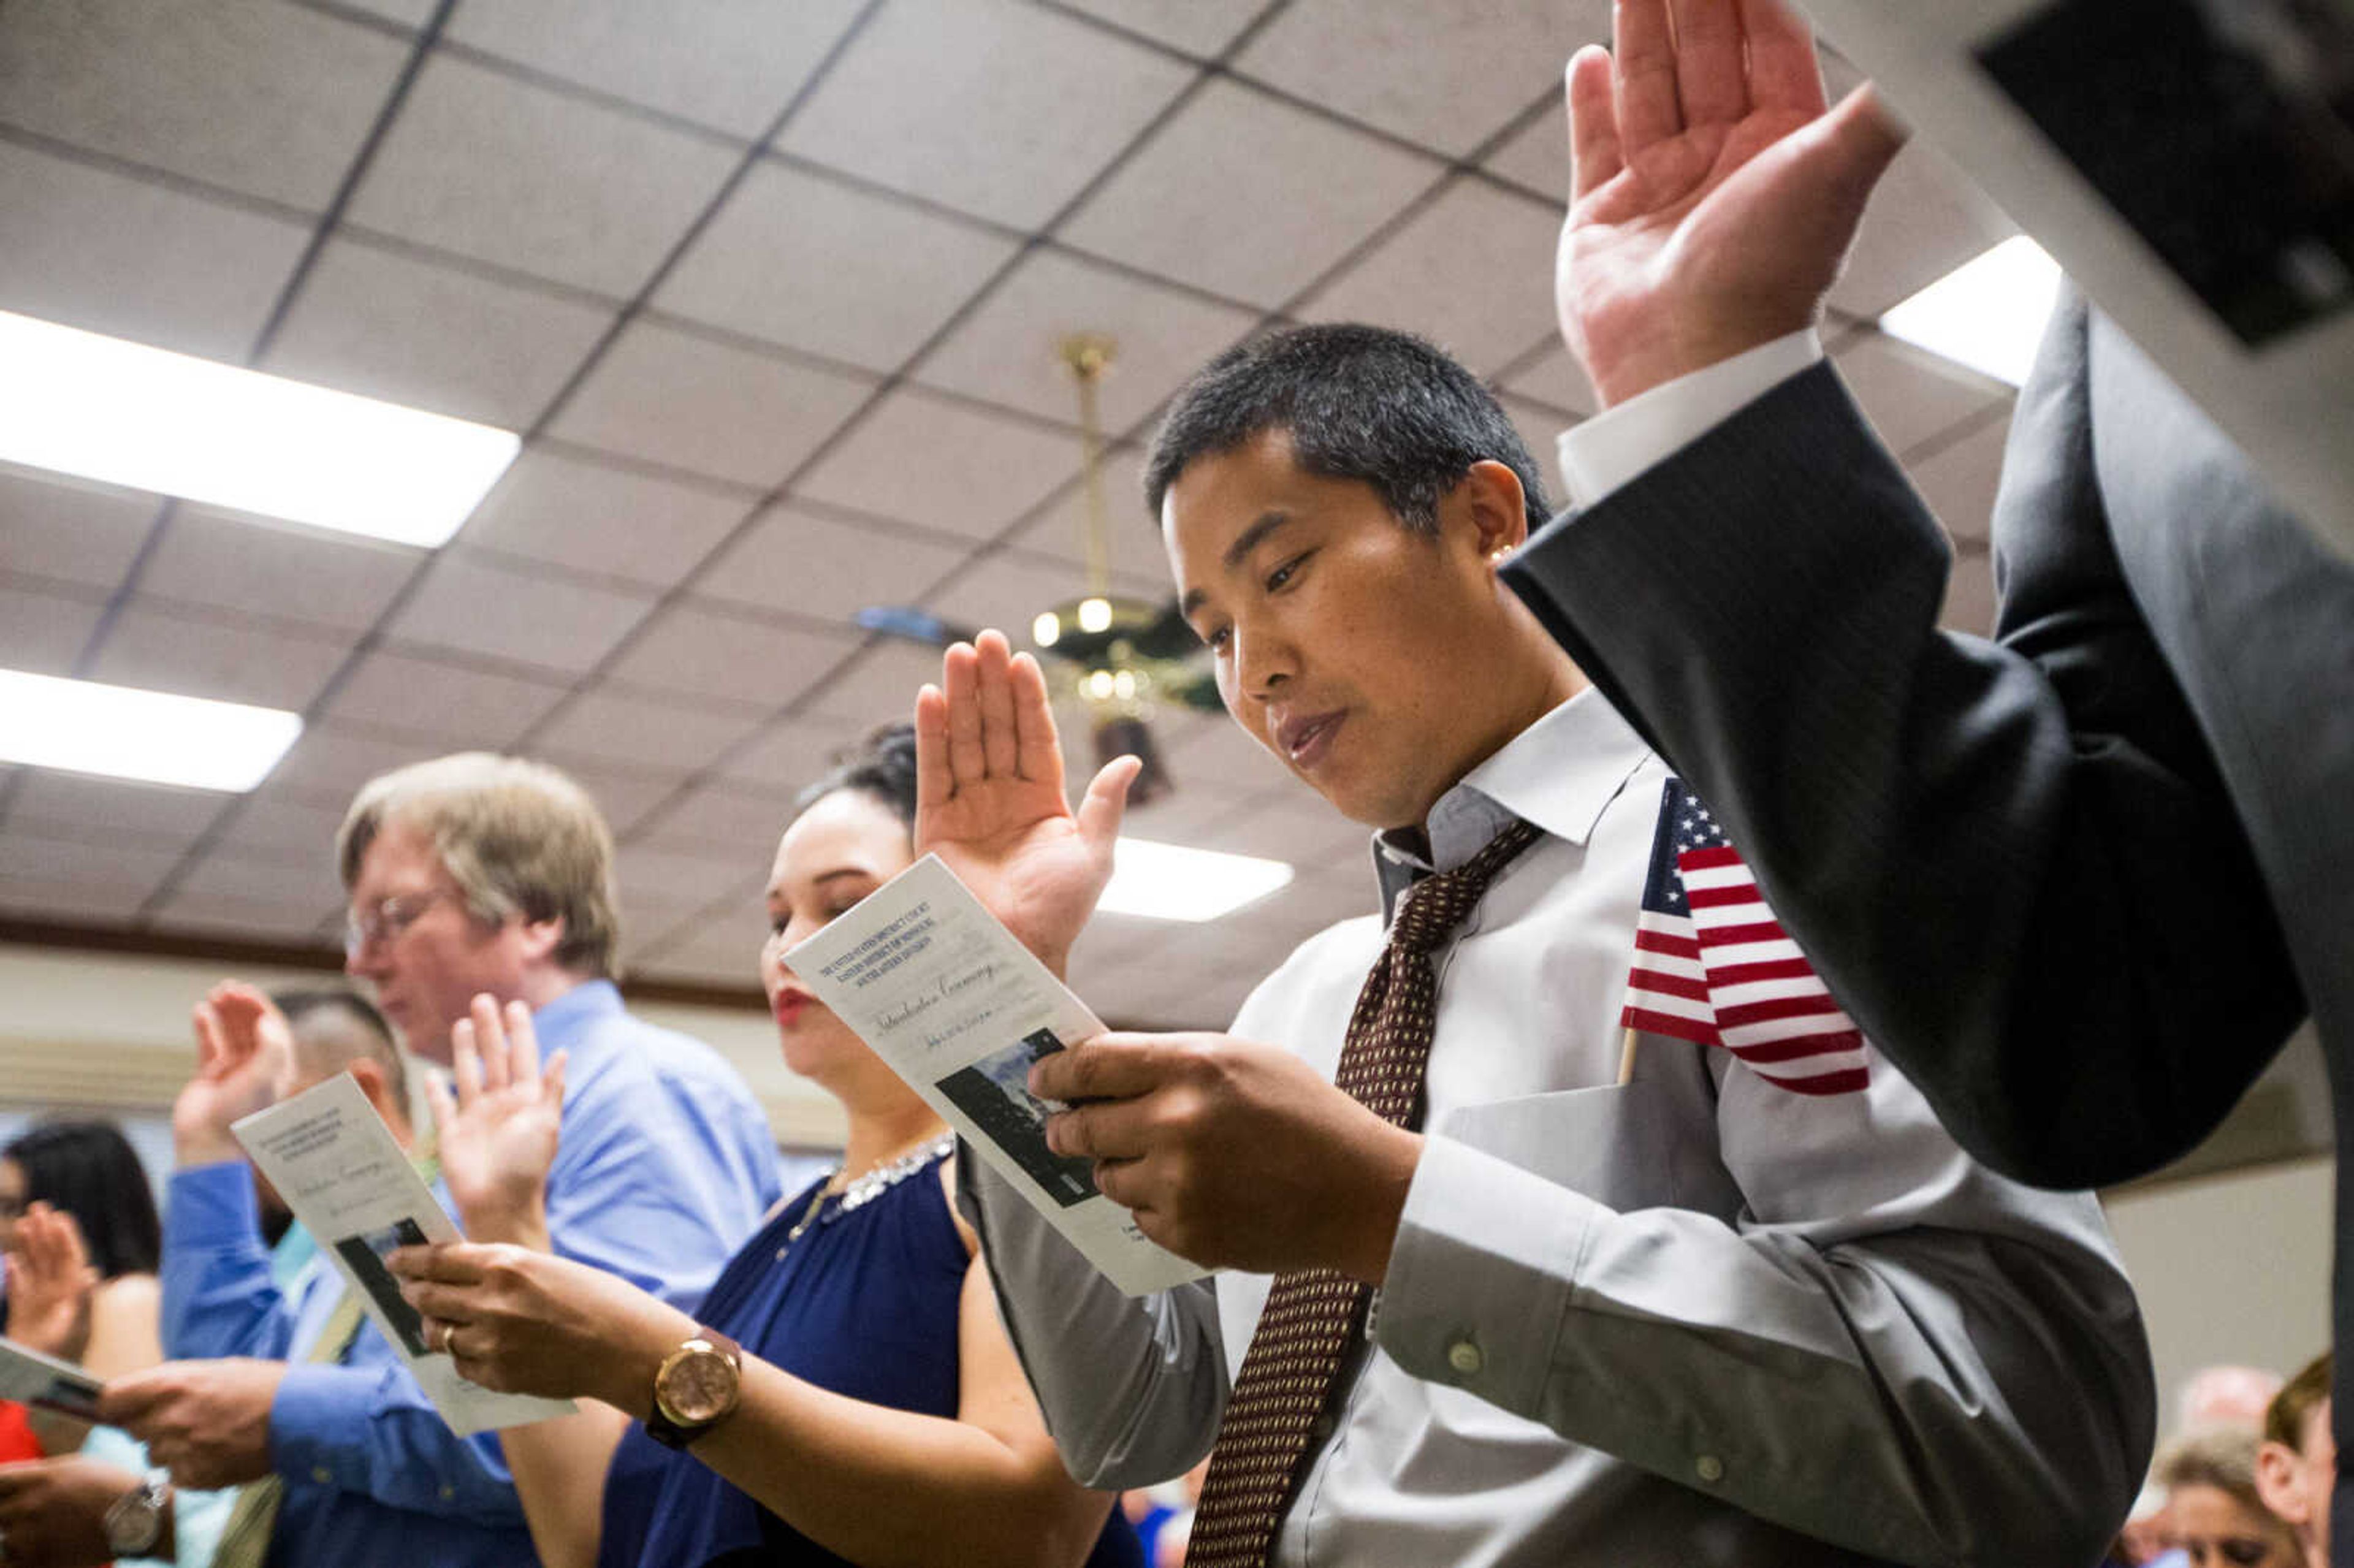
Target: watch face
(699, 1386)
(133, 1523)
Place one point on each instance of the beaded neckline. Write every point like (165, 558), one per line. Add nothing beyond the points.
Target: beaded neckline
(866, 1188)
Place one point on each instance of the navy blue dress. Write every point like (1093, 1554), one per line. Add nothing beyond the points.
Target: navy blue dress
(864, 1304)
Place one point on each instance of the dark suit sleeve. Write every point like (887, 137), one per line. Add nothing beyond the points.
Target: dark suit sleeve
(2014, 862)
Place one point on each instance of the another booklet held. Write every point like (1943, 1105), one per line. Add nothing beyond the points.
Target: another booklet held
(29, 1377)
(333, 1161)
(956, 1005)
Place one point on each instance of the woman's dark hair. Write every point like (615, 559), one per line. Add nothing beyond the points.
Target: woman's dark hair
(1358, 402)
(881, 767)
(88, 1170)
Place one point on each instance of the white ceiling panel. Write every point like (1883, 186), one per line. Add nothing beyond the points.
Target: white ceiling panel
(1447, 74)
(215, 653)
(255, 95)
(98, 250)
(1924, 221)
(600, 517)
(1969, 595)
(1007, 592)
(274, 822)
(672, 397)
(452, 705)
(1009, 350)
(334, 580)
(511, 172)
(791, 753)
(878, 688)
(327, 766)
(1537, 155)
(51, 527)
(722, 818)
(387, 326)
(708, 949)
(297, 882)
(1301, 830)
(1483, 300)
(1131, 538)
(44, 629)
(483, 606)
(678, 878)
(1909, 394)
(623, 793)
(732, 64)
(39, 855)
(1201, 27)
(1539, 430)
(1209, 752)
(827, 567)
(1556, 378)
(701, 649)
(941, 464)
(1000, 109)
(816, 264)
(91, 897)
(1247, 196)
(649, 732)
(199, 908)
(1959, 482)
(112, 811)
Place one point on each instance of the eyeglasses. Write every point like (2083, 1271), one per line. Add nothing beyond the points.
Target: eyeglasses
(368, 928)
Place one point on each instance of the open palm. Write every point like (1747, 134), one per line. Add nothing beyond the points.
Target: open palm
(242, 1040)
(50, 1282)
(498, 1131)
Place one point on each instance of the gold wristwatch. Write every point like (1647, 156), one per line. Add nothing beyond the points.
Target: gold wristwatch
(696, 1388)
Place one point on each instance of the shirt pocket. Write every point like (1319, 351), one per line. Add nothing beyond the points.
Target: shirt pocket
(1617, 1144)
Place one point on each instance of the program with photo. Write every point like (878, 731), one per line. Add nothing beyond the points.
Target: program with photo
(365, 1253)
(995, 1091)
(2221, 131)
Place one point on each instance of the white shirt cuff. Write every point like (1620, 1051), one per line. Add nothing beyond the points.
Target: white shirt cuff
(1617, 444)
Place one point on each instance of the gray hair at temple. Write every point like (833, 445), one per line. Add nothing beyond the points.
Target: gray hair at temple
(518, 837)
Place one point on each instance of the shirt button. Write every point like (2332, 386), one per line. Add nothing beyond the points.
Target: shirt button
(1709, 1468)
(323, 1476)
(1465, 1357)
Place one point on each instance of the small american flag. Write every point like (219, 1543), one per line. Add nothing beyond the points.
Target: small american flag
(1712, 965)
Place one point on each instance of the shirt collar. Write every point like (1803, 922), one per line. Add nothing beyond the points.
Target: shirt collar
(1558, 773)
(569, 1015)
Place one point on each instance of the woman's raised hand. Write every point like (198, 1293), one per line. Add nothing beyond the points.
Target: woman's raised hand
(50, 1283)
(497, 1133)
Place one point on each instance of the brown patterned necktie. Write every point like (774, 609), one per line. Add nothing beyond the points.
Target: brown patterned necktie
(1312, 1316)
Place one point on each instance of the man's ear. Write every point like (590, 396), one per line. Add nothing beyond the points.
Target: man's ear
(1490, 498)
(2276, 1484)
(541, 938)
(369, 1076)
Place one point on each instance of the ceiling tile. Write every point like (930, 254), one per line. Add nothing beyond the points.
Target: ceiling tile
(666, 396)
(1969, 596)
(1909, 394)
(702, 648)
(939, 464)
(31, 860)
(1131, 536)
(1484, 302)
(511, 172)
(328, 765)
(70, 899)
(598, 518)
(202, 910)
(110, 254)
(709, 950)
(604, 725)
(732, 64)
(723, 817)
(1555, 377)
(1007, 592)
(998, 110)
(1959, 482)
(1927, 219)
(679, 878)
(481, 607)
(452, 705)
(1300, 830)
(273, 823)
(1536, 156)
(113, 811)
(45, 632)
(1009, 350)
(814, 264)
(790, 753)
(623, 794)
(879, 688)
(1247, 196)
(298, 881)
(164, 648)
(387, 326)
(1200, 27)
(52, 526)
(822, 567)
(261, 97)
(1539, 430)
(1447, 74)
(1209, 752)
(283, 570)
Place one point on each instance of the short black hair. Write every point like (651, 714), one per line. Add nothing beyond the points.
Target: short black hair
(334, 1027)
(881, 767)
(89, 1170)
(1358, 402)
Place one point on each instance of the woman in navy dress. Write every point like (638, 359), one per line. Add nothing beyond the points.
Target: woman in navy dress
(882, 1418)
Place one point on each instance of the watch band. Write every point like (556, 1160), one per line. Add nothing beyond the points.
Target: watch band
(665, 1422)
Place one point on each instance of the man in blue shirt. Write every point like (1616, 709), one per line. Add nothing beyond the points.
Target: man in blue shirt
(470, 876)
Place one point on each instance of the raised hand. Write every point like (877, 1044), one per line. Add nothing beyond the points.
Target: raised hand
(497, 1134)
(989, 797)
(1713, 194)
(50, 1283)
(242, 1043)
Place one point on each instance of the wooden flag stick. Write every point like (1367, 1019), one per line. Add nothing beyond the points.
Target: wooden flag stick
(1627, 1058)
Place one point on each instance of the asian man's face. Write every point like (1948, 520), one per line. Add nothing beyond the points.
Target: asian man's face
(1381, 664)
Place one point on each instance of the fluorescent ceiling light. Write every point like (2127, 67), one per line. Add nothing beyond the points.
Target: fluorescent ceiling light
(151, 736)
(1987, 313)
(103, 408)
(1171, 882)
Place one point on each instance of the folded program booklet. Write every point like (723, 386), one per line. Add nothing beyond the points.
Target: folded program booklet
(956, 1005)
(29, 1377)
(333, 1161)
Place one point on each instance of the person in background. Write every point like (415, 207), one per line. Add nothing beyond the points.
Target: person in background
(468, 874)
(2217, 1520)
(2296, 1464)
(77, 1222)
(873, 1414)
